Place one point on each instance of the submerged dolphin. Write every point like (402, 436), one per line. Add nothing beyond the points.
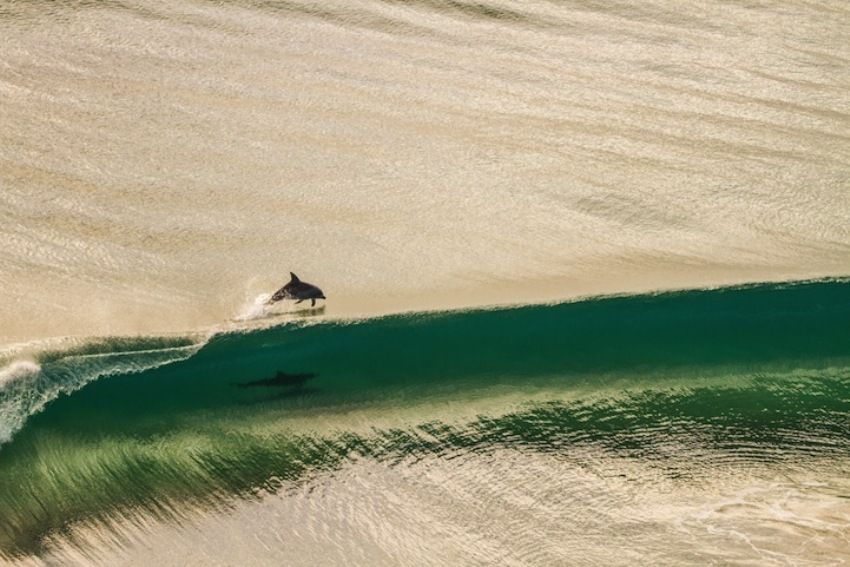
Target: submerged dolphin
(281, 380)
(296, 289)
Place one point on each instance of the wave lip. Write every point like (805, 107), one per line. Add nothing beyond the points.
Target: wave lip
(14, 384)
(752, 377)
(27, 386)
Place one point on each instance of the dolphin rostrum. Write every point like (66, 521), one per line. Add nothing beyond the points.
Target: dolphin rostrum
(298, 290)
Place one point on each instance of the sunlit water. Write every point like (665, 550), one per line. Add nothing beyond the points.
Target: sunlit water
(163, 162)
(164, 165)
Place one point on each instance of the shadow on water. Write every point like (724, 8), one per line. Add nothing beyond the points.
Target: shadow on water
(282, 386)
(205, 430)
(279, 380)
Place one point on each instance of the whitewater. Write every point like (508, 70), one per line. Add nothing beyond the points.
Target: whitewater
(586, 265)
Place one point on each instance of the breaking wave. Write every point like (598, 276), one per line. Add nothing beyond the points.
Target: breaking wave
(747, 376)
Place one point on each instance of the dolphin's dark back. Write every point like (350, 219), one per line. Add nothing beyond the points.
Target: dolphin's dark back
(296, 289)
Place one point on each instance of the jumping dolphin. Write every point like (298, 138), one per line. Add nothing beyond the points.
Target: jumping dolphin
(296, 289)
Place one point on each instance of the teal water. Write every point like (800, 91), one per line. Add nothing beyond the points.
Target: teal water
(165, 164)
(753, 378)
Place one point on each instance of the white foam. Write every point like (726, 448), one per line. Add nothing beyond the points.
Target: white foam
(17, 371)
(256, 308)
(26, 387)
(15, 380)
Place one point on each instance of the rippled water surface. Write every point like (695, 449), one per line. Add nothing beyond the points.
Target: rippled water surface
(163, 165)
(160, 162)
(689, 427)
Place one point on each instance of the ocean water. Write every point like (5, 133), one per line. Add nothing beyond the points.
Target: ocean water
(586, 266)
(687, 427)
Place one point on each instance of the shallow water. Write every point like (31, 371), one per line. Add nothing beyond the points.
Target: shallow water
(163, 162)
(164, 165)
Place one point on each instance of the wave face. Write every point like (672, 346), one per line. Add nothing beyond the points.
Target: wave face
(163, 164)
(684, 427)
(162, 161)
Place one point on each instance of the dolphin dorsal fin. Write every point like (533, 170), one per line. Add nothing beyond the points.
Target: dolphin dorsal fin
(294, 277)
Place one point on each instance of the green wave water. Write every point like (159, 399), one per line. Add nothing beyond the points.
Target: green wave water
(746, 378)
